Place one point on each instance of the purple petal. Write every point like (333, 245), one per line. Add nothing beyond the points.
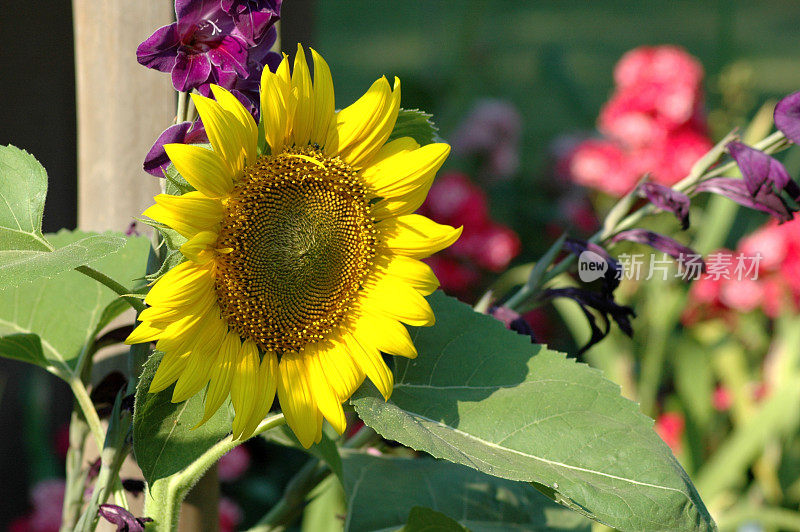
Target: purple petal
(787, 117)
(669, 200)
(252, 17)
(158, 51)
(192, 13)
(122, 518)
(758, 168)
(156, 161)
(735, 189)
(605, 306)
(663, 243)
(190, 72)
(230, 55)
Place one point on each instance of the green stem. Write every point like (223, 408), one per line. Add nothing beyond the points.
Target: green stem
(166, 494)
(180, 115)
(288, 508)
(113, 285)
(76, 475)
(88, 410)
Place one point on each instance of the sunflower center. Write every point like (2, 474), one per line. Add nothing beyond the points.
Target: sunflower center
(301, 242)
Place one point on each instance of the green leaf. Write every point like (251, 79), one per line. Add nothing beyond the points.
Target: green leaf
(326, 450)
(382, 490)
(22, 266)
(23, 188)
(483, 396)
(326, 507)
(164, 438)
(66, 311)
(415, 124)
(421, 519)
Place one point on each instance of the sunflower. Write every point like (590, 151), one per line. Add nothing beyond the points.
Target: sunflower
(302, 259)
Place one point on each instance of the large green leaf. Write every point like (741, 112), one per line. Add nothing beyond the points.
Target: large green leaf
(421, 519)
(19, 266)
(485, 397)
(50, 321)
(381, 491)
(23, 188)
(25, 254)
(164, 438)
(415, 124)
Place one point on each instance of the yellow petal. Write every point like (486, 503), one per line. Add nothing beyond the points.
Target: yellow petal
(188, 214)
(202, 358)
(202, 168)
(371, 363)
(200, 248)
(411, 271)
(416, 236)
(182, 284)
(324, 103)
(266, 383)
(326, 400)
(225, 131)
(405, 171)
(278, 103)
(144, 332)
(202, 301)
(244, 387)
(303, 122)
(220, 385)
(405, 204)
(385, 334)
(396, 299)
(248, 129)
(343, 373)
(169, 369)
(361, 129)
(297, 401)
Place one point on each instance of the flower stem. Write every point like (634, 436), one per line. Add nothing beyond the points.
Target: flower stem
(166, 494)
(113, 285)
(180, 115)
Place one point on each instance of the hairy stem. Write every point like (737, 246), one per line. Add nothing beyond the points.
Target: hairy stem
(113, 285)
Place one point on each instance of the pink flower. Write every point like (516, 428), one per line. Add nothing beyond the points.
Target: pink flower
(659, 65)
(454, 200)
(670, 426)
(722, 398)
(603, 165)
(233, 464)
(230, 515)
(455, 277)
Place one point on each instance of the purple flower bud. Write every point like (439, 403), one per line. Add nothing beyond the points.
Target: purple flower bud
(787, 116)
(122, 518)
(669, 200)
(765, 200)
(663, 243)
(613, 274)
(759, 170)
(156, 161)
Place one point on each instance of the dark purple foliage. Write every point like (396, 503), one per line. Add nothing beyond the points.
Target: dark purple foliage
(765, 200)
(612, 275)
(787, 117)
(122, 518)
(663, 243)
(669, 200)
(759, 170)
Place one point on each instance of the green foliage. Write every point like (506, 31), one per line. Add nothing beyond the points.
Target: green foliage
(382, 490)
(165, 439)
(326, 507)
(25, 254)
(421, 519)
(415, 124)
(49, 323)
(482, 396)
(326, 450)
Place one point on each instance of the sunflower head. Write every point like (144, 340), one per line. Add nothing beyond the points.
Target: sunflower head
(302, 260)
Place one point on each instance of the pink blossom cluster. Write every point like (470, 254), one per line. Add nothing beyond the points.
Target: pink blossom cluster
(485, 245)
(654, 123)
(774, 290)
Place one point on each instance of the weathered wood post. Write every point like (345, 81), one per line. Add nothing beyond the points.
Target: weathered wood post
(122, 107)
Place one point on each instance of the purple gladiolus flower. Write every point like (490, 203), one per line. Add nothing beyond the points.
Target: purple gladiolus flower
(787, 117)
(667, 199)
(156, 161)
(612, 275)
(213, 41)
(760, 171)
(663, 243)
(122, 518)
(765, 200)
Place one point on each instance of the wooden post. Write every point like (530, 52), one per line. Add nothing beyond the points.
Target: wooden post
(122, 108)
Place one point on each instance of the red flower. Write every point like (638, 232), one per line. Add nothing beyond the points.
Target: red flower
(670, 426)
